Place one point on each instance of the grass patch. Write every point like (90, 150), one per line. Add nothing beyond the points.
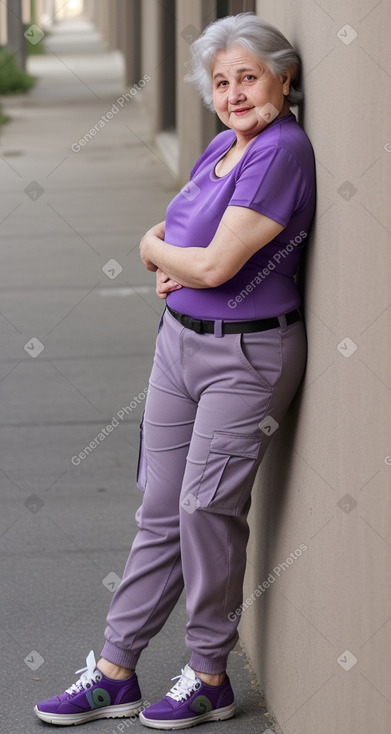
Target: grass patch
(12, 78)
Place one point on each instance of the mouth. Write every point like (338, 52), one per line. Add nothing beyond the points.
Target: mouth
(241, 110)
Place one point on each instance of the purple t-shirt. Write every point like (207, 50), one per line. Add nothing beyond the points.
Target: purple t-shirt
(276, 177)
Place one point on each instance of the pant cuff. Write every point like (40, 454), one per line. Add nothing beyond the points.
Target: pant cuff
(208, 665)
(114, 654)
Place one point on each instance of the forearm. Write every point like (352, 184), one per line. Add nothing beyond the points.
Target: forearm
(188, 266)
(241, 233)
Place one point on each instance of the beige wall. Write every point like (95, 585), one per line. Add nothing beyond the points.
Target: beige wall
(26, 8)
(337, 437)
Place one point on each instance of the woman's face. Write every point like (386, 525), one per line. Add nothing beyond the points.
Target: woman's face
(246, 95)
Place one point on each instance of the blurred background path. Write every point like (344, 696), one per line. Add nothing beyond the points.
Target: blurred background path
(78, 318)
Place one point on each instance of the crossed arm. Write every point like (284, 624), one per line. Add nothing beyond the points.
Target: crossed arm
(240, 234)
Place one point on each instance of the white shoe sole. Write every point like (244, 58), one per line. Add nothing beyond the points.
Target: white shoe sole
(217, 715)
(106, 712)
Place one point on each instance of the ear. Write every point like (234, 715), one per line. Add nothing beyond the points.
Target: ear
(286, 79)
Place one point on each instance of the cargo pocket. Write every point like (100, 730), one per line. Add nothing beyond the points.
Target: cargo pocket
(141, 480)
(229, 472)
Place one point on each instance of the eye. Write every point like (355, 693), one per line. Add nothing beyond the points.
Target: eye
(249, 77)
(222, 83)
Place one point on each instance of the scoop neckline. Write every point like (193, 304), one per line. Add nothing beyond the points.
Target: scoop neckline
(213, 174)
(223, 156)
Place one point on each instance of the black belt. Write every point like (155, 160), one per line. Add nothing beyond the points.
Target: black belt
(232, 327)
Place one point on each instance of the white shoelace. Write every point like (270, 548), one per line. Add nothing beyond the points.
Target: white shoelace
(89, 676)
(187, 684)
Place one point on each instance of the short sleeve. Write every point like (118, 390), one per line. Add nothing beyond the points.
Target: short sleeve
(271, 182)
(196, 166)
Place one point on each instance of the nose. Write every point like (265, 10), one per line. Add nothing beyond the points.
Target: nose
(236, 93)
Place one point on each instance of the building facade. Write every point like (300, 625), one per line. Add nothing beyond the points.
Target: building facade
(155, 39)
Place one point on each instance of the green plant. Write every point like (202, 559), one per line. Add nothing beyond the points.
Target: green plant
(3, 118)
(35, 49)
(12, 77)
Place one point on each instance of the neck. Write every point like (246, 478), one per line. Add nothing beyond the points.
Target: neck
(243, 139)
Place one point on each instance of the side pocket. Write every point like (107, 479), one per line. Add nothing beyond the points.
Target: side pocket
(160, 323)
(261, 355)
(141, 480)
(229, 472)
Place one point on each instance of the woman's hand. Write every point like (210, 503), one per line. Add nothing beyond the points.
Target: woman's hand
(164, 284)
(158, 230)
(153, 236)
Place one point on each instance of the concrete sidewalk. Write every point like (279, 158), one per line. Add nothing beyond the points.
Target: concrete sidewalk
(78, 320)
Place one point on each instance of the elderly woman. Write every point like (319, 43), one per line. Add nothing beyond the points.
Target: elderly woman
(230, 355)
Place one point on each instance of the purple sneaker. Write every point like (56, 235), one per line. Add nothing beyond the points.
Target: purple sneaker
(190, 702)
(93, 696)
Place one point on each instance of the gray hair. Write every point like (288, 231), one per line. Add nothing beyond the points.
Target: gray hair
(252, 33)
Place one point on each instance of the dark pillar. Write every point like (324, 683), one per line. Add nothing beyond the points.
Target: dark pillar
(16, 40)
